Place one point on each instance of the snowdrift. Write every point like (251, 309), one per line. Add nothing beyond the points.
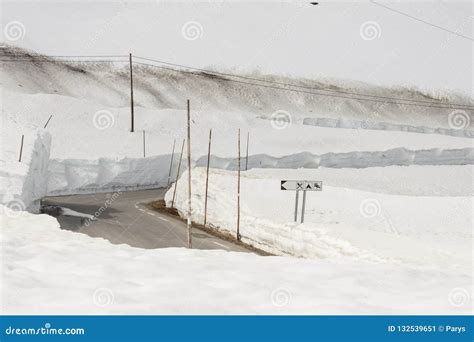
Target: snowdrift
(384, 126)
(398, 156)
(24, 183)
(410, 219)
(73, 176)
(48, 271)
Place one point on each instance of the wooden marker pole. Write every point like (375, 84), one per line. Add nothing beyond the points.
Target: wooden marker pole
(189, 223)
(207, 176)
(131, 97)
(144, 146)
(21, 147)
(47, 122)
(171, 163)
(238, 189)
(177, 174)
(247, 155)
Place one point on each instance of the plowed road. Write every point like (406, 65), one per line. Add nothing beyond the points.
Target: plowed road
(127, 220)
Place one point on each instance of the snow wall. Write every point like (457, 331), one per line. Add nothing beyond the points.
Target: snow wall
(384, 126)
(396, 156)
(74, 176)
(24, 183)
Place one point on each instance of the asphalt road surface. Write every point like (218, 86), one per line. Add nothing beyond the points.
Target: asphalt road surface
(128, 220)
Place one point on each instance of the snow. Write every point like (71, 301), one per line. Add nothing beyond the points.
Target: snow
(411, 223)
(23, 184)
(354, 124)
(391, 232)
(46, 271)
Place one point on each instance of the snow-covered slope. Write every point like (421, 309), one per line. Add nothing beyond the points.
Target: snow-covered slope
(107, 85)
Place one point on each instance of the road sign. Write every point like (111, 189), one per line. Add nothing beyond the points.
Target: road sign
(297, 186)
(294, 185)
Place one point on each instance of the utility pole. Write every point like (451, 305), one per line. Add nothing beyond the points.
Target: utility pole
(131, 96)
(247, 155)
(238, 189)
(177, 174)
(189, 223)
(207, 176)
(171, 163)
(144, 154)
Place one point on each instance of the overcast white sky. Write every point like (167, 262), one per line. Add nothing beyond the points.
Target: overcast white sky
(292, 38)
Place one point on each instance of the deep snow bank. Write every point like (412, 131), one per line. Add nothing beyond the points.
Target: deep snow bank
(51, 271)
(24, 183)
(342, 221)
(384, 126)
(356, 159)
(73, 176)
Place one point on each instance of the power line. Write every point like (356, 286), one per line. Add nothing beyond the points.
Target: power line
(422, 21)
(447, 106)
(206, 73)
(298, 86)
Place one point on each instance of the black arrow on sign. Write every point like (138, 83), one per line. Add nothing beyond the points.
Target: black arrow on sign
(282, 187)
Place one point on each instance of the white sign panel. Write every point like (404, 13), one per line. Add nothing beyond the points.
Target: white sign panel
(294, 185)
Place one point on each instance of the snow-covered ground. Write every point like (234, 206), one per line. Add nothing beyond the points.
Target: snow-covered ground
(396, 214)
(47, 271)
(385, 239)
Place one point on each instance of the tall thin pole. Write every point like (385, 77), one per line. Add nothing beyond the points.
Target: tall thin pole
(238, 189)
(177, 174)
(47, 122)
(303, 206)
(189, 224)
(144, 154)
(171, 163)
(131, 97)
(247, 155)
(21, 147)
(207, 176)
(296, 205)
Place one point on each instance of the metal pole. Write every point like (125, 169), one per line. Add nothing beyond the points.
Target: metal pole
(177, 174)
(144, 154)
(247, 155)
(21, 147)
(131, 96)
(207, 176)
(171, 163)
(47, 122)
(296, 204)
(238, 189)
(189, 223)
(303, 206)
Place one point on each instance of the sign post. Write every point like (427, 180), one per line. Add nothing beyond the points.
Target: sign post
(297, 186)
